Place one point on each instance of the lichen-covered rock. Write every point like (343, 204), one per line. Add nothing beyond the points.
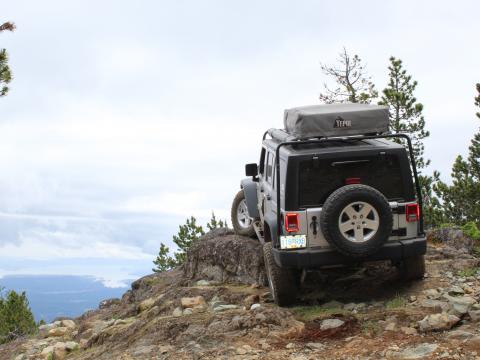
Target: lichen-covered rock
(460, 304)
(146, 304)
(413, 352)
(108, 302)
(331, 324)
(451, 237)
(221, 256)
(68, 323)
(58, 331)
(191, 302)
(436, 322)
(43, 330)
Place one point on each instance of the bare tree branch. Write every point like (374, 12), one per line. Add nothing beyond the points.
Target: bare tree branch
(354, 84)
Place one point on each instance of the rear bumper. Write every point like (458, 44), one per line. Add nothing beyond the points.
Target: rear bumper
(314, 258)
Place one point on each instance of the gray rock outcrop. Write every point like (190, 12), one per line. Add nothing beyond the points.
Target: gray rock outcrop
(221, 256)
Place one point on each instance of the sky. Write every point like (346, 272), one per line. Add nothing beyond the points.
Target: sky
(126, 117)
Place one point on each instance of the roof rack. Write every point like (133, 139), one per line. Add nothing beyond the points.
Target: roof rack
(283, 136)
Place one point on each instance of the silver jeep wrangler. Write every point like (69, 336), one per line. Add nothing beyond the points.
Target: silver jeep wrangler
(332, 188)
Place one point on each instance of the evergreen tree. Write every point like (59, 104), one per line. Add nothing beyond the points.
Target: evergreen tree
(405, 112)
(216, 224)
(187, 235)
(433, 213)
(5, 72)
(352, 82)
(163, 262)
(461, 199)
(406, 117)
(16, 318)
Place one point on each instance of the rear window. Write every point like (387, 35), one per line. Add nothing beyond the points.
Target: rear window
(318, 178)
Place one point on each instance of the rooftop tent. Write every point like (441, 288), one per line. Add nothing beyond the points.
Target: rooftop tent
(336, 120)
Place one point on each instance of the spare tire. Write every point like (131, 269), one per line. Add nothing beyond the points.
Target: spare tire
(356, 220)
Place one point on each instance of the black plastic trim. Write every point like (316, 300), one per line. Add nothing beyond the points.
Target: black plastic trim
(399, 232)
(316, 258)
(399, 210)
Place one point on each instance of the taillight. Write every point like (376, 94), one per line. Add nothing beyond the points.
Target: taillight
(351, 181)
(291, 222)
(412, 212)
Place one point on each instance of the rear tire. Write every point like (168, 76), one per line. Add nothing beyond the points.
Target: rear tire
(241, 221)
(412, 268)
(281, 280)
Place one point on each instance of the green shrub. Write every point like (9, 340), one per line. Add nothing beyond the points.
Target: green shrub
(397, 302)
(467, 272)
(448, 226)
(476, 250)
(471, 230)
(16, 318)
(371, 328)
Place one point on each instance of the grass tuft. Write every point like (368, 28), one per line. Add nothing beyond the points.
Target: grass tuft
(397, 302)
(309, 313)
(371, 328)
(467, 272)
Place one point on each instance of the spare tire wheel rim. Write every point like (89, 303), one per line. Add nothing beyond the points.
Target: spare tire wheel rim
(358, 222)
(243, 218)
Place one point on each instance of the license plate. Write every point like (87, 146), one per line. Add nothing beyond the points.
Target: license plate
(293, 241)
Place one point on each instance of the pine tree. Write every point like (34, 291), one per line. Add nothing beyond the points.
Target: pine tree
(16, 318)
(461, 199)
(187, 235)
(352, 82)
(405, 112)
(406, 116)
(163, 262)
(5, 72)
(216, 224)
(433, 213)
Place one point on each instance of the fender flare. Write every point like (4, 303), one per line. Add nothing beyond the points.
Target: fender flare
(271, 221)
(249, 188)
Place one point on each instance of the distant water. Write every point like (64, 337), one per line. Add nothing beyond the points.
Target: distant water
(51, 296)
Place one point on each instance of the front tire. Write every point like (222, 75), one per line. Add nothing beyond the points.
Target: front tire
(241, 221)
(281, 280)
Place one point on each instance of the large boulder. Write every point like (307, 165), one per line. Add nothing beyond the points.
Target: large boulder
(438, 322)
(454, 238)
(222, 256)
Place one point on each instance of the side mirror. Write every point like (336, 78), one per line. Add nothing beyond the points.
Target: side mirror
(251, 170)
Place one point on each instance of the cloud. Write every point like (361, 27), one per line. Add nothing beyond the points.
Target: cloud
(182, 204)
(66, 245)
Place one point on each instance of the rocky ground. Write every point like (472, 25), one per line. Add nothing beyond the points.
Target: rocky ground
(217, 307)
